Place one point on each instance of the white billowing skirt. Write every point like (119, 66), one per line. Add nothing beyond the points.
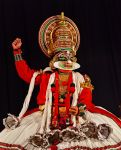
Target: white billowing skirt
(18, 138)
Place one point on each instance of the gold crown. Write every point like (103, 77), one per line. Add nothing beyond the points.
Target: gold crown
(58, 33)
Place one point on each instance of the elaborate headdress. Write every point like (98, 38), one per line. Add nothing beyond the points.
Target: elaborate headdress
(59, 36)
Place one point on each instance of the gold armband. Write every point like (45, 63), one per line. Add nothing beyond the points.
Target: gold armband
(41, 107)
(87, 83)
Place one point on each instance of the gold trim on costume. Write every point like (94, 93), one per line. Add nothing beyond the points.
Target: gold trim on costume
(87, 83)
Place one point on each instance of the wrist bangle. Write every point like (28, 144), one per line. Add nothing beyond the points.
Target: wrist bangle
(17, 51)
(18, 57)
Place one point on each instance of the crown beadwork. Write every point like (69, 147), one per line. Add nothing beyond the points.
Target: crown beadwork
(59, 33)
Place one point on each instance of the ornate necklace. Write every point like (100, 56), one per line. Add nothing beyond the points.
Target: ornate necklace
(62, 90)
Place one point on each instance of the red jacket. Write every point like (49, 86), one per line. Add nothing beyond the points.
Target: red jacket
(84, 97)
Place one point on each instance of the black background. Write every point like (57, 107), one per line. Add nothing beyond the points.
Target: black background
(99, 22)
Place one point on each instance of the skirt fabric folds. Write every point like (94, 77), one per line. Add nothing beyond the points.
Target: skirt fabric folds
(96, 132)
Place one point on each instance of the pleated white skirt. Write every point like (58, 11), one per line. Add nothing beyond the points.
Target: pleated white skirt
(18, 138)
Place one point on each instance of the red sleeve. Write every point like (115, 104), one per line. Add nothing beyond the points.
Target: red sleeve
(25, 72)
(85, 97)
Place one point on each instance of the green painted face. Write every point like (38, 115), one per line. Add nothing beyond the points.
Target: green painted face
(66, 64)
(65, 60)
(64, 56)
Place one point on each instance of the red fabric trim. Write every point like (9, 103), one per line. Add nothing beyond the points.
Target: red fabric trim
(10, 146)
(53, 147)
(97, 148)
(56, 96)
(17, 51)
(106, 113)
(29, 112)
(65, 71)
(86, 98)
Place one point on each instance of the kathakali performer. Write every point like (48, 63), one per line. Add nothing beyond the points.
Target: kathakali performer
(66, 118)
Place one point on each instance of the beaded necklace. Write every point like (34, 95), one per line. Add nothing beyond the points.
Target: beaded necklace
(66, 96)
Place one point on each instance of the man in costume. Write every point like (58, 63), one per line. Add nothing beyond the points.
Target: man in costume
(66, 118)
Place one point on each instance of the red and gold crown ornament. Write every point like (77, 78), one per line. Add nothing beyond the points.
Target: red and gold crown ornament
(57, 34)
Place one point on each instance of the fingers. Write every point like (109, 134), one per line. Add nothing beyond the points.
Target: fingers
(73, 110)
(16, 43)
(73, 113)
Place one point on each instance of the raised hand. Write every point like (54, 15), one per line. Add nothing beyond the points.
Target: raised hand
(16, 44)
(73, 110)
